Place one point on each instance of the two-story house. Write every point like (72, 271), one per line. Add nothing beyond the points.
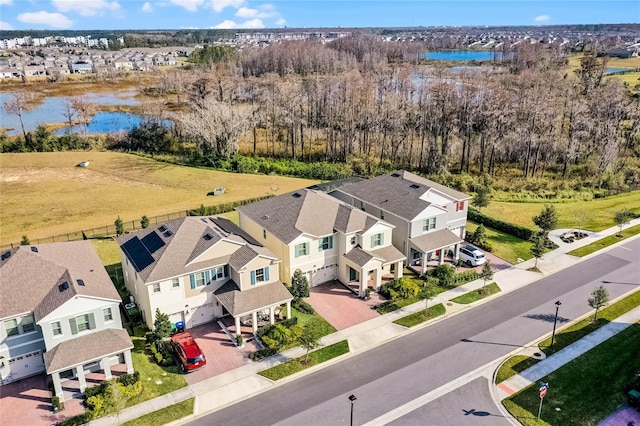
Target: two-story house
(59, 314)
(323, 237)
(199, 269)
(429, 218)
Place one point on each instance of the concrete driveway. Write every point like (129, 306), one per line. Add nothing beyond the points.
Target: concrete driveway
(340, 307)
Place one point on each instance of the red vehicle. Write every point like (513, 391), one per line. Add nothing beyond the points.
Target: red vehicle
(188, 352)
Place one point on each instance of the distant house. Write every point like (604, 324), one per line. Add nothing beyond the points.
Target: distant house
(34, 70)
(619, 53)
(80, 67)
(60, 315)
(199, 269)
(6, 72)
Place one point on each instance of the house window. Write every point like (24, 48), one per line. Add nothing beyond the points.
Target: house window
(377, 240)
(460, 206)
(108, 315)
(175, 282)
(326, 243)
(156, 287)
(219, 272)
(200, 281)
(264, 234)
(302, 249)
(82, 323)
(56, 328)
(28, 324)
(11, 327)
(429, 224)
(259, 275)
(353, 240)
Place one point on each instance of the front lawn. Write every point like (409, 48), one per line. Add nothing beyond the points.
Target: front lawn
(504, 246)
(586, 390)
(394, 305)
(420, 317)
(606, 241)
(321, 324)
(295, 365)
(478, 294)
(164, 415)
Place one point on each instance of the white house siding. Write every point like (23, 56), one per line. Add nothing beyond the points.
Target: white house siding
(318, 266)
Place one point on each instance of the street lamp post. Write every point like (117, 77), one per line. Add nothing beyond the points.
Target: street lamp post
(352, 398)
(555, 320)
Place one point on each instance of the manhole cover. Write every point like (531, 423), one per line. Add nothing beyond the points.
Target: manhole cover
(449, 303)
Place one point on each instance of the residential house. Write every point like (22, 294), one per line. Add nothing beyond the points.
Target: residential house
(429, 218)
(198, 269)
(59, 314)
(325, 238)
(80, 67)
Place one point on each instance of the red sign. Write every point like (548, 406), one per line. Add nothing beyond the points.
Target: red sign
(543, 392)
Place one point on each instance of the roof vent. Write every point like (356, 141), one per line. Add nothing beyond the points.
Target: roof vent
(207, 237)
(62, 287)
(265, 217)
(296, 195)
(5, 255)
(34, 249)
(395, 175)
(81, 282)
(168, 233)
(162, 228)
(415, 186)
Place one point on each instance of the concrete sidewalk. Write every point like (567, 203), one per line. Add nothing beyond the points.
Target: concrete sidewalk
(244, 382)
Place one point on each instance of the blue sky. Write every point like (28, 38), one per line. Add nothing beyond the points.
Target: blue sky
(181, 14)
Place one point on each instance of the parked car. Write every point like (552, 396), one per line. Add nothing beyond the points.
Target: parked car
(189, 354)
(472, 256)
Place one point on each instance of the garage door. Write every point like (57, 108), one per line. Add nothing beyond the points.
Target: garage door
(201, 315)
(26, 365)
(323, 274)
(176, 317)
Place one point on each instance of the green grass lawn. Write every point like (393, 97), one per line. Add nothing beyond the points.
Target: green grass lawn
(165, 415)
(394, 305)
(587, 389)
(420, 317)
(577, 331)
(323, 327)
(505, 246)
(476, 295)
(605, 242)
(295, 365)
(514, 365)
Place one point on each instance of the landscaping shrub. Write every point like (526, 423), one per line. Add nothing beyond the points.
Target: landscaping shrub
(445, 274)
(129, 379)
(401, 288)
(290, 322)
(96, 390)
(222, 208)
(262, 353)
(55, 403)
(303, 306)
(509, 228)
(79, 420)
(131, 390)
(239, 340)
(161, 353)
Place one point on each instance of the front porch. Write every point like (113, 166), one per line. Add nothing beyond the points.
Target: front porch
(368, 269)
(433, 249)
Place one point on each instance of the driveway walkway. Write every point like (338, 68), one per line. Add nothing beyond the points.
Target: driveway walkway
(340, 307)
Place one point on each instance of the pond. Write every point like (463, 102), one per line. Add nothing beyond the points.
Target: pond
(52, 111)
(462, 55)
(612, 70)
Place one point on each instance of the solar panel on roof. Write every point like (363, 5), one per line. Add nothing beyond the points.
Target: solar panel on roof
(137, 254)
(152, 242)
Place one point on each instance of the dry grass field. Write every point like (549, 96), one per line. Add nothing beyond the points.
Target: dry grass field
(45, 194)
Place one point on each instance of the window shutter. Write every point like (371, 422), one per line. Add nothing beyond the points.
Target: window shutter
(457, 206)
(266, 273)
(74, 327)
(331, 242)
(462, 205)
(381, 239)
(320, 244)
(253, 277)
(193, 281)
(373, 240)
(226, 271)
(92, 322)
(307, 250)
(207, 277)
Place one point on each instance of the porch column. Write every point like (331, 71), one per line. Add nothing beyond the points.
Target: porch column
(81, 378)
(272, 315)
(377, 278)
(364, 278)
(128, 361)
(238, 331)
(441, 257)
(254, 322)
(57, 386)
(397, 274)
(105, 365)
(424, 263)
(288, 309)
(456, 252)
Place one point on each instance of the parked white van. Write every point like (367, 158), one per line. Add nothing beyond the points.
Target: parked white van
(472, 256)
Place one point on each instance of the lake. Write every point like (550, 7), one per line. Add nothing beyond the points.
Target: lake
(52, 111)
(462, 55)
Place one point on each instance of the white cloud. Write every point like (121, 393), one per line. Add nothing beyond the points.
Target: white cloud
(190, 5)
(146, 7)
(280, 22)
(54, 20)
(6, 2)
(230, 25)
(542, 18)
(263, 11)
(85, 7)
(220, 5)
(5, 26)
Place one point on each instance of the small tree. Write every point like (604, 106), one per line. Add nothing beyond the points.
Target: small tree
(538, 247)
(162, 325)
(487, 273)
(144, 222)
(299, 285)
(599, 298)
(428, 291)
(547, 219)
(25, 241)
(482, 198)
(622, 218)
(119, 224)
(479, 235)
(445, 274)
(309, 339)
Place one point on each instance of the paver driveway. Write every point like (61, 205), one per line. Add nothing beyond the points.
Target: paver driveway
(339, 306)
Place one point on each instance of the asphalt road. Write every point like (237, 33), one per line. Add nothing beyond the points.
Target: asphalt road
(405, 369)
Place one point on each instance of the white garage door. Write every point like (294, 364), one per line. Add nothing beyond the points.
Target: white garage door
(323, 274)
(201, 315)
(26, 365)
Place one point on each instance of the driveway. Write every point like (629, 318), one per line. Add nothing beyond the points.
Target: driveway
(222, 355)
(28, 402)
(340, 307)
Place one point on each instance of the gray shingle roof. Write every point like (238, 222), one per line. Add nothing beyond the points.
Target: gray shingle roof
(435, 240)
(358, 256)
(306, 211)
(30, 279)
(244, 302)
(388, 254)
(399, 193)
(86, 348)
